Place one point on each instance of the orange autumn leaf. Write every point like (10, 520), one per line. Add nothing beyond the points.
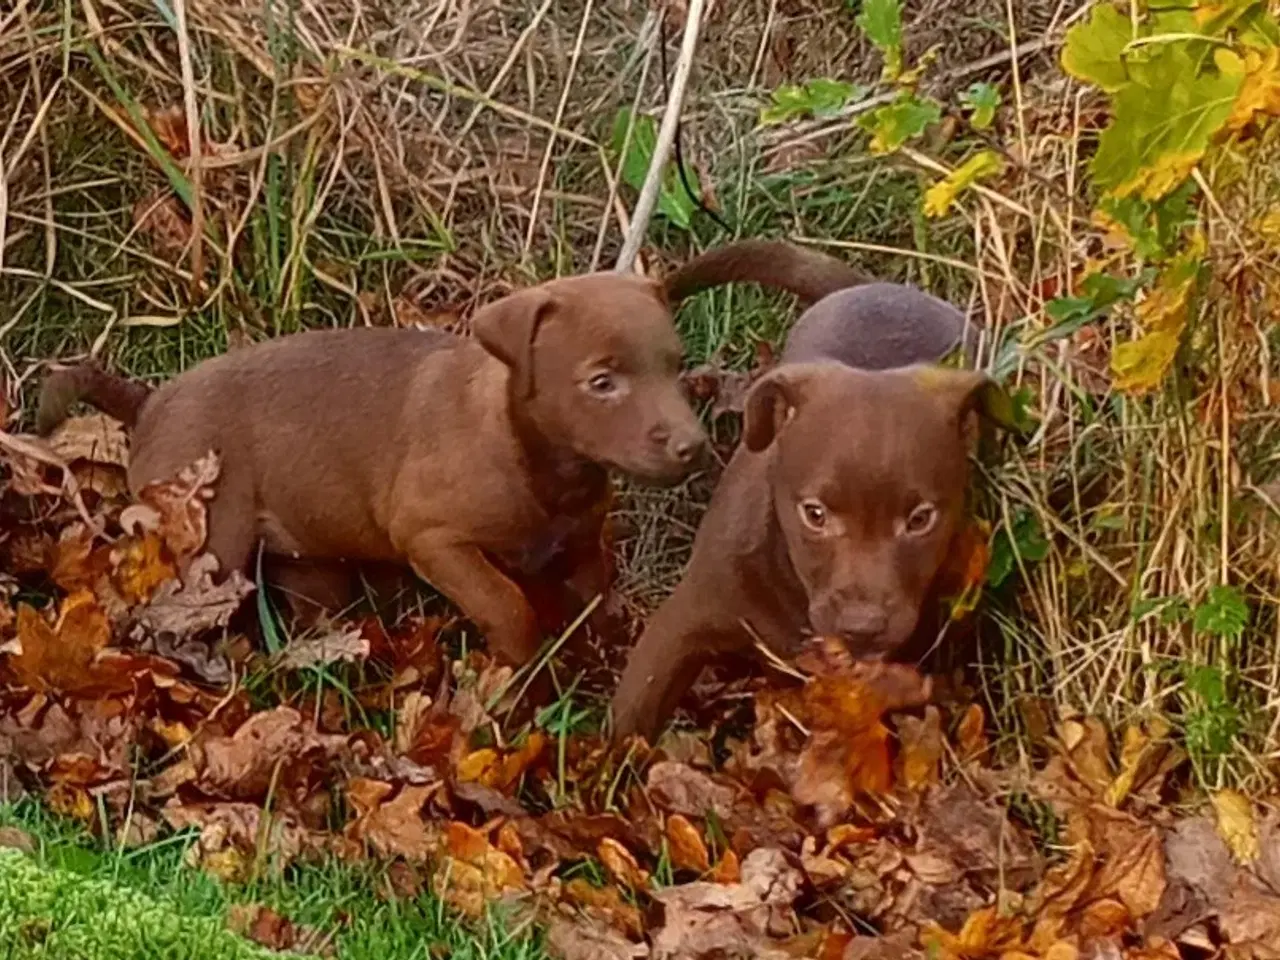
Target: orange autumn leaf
(920, 757)
(688, 851)
(728, 870)
(985, 934)
(971, 734)
(142, 567)
(844, 704)
(61, 655)
(622, 865)
(474, 871)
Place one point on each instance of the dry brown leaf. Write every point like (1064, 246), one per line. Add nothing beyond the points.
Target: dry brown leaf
(920, 758)
(162, 220)
(394, 828)
(264, 926)
(245, 764)
(622, 865)
(714, 920)
(189, 608)
(679, 788)
(727, 870)
(1088, 753)
(94, 437)
(578, 938)
(141, 567)
(178, 508)
(971, 734)
(342, 644)
(686, 846)
(607, 904)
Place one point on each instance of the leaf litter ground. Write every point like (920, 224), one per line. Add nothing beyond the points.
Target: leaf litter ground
(858, 814)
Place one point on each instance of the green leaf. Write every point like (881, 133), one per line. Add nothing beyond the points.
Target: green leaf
(1152, 230)
(894, 124)
(882, 22)
(1162, 123)
(1224, 614)
(674, 201)
(1099, 292)
(982, 100)
(820, 98)
(1094, 49)
(1025, 541)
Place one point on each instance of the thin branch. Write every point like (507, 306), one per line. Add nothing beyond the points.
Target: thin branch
(666, 139)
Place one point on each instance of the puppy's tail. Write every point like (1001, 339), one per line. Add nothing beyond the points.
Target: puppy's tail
(66, 386)
(808, 274)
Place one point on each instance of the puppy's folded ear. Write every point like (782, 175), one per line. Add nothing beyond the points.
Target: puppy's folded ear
(970, 391)
(771, 402)
(508, 328)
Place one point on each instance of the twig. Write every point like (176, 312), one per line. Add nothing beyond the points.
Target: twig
(194, 146)
(666, 139)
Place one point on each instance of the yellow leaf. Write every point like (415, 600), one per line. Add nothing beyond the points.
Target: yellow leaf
(939, 198)
(474, 767)
(1156, 179)
(1260, 89)
(1268, 225)
(1140, 365)
(1236, 825)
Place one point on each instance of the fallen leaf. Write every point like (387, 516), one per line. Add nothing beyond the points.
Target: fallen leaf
(580, 938)
(61, 655)
(622, 865)
(395, 828)
(985, 933)
(244, 765)
(847, 752)
(939, 198)
(1236, 825)
(188, 608)
(339, 645)
(687, 849)
(178, 507)
(474, 872)
(920, 757)
(95, 437)
(679, 788)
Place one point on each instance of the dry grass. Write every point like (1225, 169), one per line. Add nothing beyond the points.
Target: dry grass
(361, 159)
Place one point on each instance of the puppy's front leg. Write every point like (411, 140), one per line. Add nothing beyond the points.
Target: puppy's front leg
(497, 607)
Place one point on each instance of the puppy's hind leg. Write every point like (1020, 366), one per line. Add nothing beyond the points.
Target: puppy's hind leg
(312, 588)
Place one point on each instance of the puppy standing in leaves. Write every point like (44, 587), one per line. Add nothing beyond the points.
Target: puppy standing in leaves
(835, 515)
(467, 459)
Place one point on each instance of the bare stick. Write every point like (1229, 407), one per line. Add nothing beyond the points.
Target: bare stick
(666, 138)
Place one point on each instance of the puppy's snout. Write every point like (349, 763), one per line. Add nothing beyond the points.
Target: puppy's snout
(862, 626)
(681, 445)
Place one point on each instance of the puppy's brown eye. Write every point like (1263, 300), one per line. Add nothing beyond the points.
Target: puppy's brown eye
(602, 383)
(814, 514)
(921, 520)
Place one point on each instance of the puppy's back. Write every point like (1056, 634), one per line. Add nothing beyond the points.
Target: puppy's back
(876, 326)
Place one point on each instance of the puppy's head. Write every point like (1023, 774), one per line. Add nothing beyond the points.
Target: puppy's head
(868, 474)
(595, 363)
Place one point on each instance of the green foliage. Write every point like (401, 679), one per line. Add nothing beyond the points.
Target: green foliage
(1021, 541)
(819, 98)
(1224, 614)
(1211, 718)
(1099, 292)
(982, 100)
(882, 22)
(894, 124)
(674, 201)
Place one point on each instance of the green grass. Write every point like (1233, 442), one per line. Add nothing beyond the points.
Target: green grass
(77, 898)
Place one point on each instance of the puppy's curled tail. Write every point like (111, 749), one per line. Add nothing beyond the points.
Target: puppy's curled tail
(809, 274)
(113, 395)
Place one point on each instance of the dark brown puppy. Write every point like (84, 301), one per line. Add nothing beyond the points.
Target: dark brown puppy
(835, 515)
(459, 457)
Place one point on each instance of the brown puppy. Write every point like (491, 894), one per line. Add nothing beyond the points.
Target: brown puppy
(459, 457)
(835, 515)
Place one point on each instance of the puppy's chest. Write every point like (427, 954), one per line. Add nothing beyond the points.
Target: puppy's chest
(556, 518)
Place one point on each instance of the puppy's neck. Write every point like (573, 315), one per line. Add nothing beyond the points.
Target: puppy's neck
(563, 482)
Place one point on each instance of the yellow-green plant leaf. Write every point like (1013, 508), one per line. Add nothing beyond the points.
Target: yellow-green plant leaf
(1140, 365)
(1237, 827)
(893, 125)
(939, 197)
(882, 21)
(1162, 123)
(1094, 49)
(1259, 88)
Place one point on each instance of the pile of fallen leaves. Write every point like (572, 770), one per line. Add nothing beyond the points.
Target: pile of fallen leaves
(855, 818)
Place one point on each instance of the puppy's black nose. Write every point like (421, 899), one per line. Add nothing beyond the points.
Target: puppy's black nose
(687, 449)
